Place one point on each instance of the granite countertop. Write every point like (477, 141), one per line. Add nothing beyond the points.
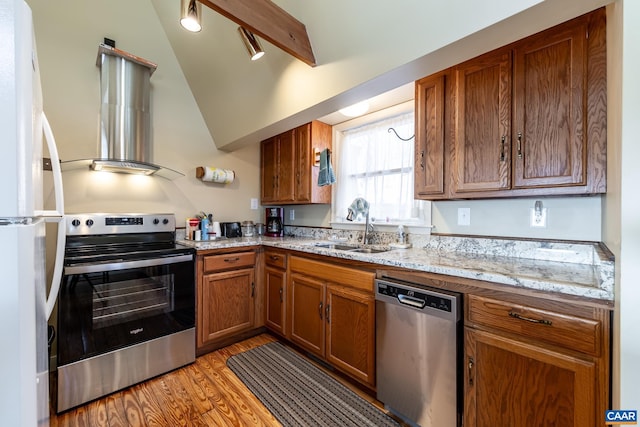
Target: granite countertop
(579, 269)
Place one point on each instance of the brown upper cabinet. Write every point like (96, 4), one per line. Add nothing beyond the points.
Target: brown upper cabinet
(289, 170)
(527, 119)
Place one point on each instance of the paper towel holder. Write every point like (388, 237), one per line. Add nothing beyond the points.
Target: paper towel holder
(215, 175)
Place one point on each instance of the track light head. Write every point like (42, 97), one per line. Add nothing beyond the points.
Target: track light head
(190, 15)
(252, 43)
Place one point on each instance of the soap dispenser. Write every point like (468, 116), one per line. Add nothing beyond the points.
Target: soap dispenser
(401, 237)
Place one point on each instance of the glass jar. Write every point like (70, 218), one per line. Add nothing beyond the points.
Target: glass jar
(248, 228)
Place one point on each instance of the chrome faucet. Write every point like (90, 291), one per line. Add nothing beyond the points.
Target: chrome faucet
(357, 207)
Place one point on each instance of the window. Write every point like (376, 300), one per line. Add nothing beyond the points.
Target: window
(375, 164)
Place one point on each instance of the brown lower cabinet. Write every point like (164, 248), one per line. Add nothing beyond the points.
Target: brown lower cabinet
(275, 283)
(527, 365)
(332, 315)
(226, 297)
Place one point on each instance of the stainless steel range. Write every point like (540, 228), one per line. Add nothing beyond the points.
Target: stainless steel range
(126, 309)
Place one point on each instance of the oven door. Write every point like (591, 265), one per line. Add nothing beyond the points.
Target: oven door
(107, 306)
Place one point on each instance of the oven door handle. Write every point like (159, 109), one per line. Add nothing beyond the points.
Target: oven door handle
(112, 266)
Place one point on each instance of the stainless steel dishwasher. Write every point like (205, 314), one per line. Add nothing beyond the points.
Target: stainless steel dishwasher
(419, 352)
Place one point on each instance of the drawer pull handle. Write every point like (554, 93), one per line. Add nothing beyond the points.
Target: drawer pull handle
(529, 319)
(470, 370)
(320, 310)
(326, 313)
(274, 257)
(236, 259)
(519, 145)
(253, 289)
(502, 141)
(281, 299)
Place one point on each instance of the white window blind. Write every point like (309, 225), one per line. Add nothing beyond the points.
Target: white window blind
(375, 164)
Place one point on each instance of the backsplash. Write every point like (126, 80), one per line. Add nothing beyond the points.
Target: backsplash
(353, 236)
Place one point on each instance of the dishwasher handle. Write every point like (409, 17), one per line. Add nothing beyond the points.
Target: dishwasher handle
(411, 301)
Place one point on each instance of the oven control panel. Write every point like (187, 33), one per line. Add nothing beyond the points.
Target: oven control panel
(101, 223)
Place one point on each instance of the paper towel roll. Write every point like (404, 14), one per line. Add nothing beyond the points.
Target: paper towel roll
(221, 176)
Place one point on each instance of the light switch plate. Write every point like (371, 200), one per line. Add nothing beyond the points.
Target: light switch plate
(254, 204)
(464, 216)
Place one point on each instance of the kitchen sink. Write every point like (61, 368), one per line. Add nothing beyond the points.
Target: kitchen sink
(341, 247)
(369, 250)
(350, 248)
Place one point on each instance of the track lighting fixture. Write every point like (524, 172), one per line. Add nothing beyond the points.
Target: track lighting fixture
(190, 15)
(251, 43)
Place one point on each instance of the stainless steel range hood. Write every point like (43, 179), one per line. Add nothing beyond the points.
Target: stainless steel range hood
(125, 116)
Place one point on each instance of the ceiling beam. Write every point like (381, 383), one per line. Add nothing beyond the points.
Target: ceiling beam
(269, 21)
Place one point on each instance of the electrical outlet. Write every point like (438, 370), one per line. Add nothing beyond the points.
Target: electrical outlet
(292, 214)
(538, 219)
(254, 204)
(464, 216)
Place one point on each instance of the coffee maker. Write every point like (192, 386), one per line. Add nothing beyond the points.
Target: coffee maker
(275, 222)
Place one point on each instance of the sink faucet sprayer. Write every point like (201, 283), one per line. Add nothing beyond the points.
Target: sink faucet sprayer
(360, 206)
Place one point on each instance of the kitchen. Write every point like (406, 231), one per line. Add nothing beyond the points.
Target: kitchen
(71, 100)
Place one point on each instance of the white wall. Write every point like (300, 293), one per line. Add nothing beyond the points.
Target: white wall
(568, 218)
(621, 206)
(68, 33)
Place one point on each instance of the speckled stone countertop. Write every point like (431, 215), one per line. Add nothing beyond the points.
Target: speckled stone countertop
(580, 269)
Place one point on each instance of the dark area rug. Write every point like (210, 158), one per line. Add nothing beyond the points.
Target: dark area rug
(299, 394)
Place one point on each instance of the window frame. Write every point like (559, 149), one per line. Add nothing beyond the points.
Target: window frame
(423, 225)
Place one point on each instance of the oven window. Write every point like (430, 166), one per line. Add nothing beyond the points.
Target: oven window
(121, 299)
(104, 311)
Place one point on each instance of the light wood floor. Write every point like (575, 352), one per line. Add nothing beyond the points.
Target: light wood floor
(205, 393)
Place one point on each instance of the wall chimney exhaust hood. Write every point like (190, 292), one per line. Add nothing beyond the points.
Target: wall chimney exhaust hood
(125, 117)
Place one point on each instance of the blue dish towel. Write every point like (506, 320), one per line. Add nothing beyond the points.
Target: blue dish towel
(326, 175)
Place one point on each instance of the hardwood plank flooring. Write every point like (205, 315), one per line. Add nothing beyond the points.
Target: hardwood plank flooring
(205, 393)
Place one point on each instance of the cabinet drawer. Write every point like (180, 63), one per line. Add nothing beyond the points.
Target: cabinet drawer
(276, 259)
(229, 261)
(333, 273)
(568, 331)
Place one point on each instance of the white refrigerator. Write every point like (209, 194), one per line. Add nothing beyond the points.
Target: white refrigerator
(24, 306)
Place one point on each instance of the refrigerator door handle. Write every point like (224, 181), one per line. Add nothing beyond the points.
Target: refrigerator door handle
(55, 216)
(57, 269)
(57, 172)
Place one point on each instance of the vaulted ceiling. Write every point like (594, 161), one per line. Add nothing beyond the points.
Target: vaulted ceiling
(362, 49)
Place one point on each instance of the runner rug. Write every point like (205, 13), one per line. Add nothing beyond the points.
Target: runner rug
(299, 394)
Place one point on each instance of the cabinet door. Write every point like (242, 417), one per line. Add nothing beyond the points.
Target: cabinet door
(227, 304)
(303, 163)
(549, 103)
(483, 123)
(307, 313)
(286, 178)
(268, 169)
(429, 164)
(350, 323)
(275, 282)
(511, 383)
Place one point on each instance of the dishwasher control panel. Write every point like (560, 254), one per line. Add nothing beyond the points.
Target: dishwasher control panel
(415, 297)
